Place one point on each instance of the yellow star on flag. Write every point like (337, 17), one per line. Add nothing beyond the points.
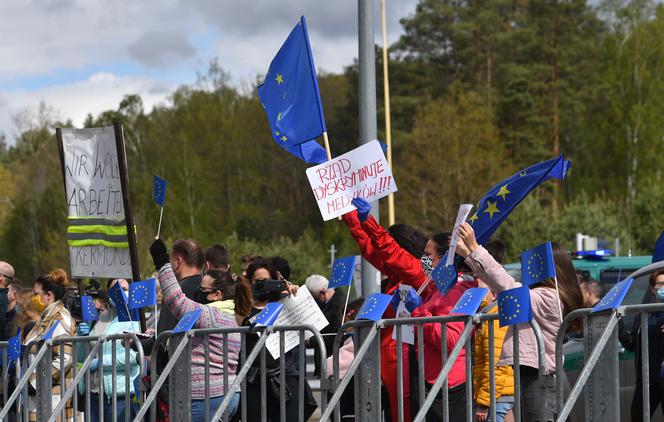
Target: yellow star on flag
(283, 138)
(279, 79)
(276, 132)
(491, 208)
(279, 116)
(503, 192)
(473, 218)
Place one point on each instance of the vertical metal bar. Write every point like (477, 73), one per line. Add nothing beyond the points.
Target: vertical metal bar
(445, 390)
(62, 380)
(586, 353)
(100, 375)
(75, 372)
(420, 362)
(206, 346)
(335, 376)
(263, 386)
(469, 377)
(302, 369)
(153, 378)
(645, 366)
(88, 407)
(5, 371)
(399, 374)
(492, 369)
(243, 390)
(225, 346)
(114, 376)
(282, 376)
(517, 374)
(127, 397)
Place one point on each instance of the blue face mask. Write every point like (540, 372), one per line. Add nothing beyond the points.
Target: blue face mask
(660, 293)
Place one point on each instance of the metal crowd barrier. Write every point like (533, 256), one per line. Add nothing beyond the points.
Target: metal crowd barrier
(40, 364)
(594, 354)
(369, 373)
(179, 364)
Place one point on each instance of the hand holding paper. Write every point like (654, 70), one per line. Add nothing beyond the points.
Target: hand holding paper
(462, 214)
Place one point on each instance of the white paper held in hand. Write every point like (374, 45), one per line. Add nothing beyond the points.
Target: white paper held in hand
(464, 210)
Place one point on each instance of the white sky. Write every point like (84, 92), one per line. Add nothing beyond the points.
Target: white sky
(84, 56)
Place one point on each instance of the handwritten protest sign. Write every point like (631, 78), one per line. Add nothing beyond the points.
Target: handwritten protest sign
(462, 214)
(94, 203)
(407, 331)
(362, 172)
(298, 309)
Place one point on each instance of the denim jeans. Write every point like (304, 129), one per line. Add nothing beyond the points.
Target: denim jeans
(108, 409)
(198, 407)
(502, 408)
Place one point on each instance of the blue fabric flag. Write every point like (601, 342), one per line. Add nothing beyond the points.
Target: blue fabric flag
(187, 321)
(658, 252)
(501, 199)
(374, 307)
(470, 301)
(291, 98)
(88, 309)
(537, 264)
(159, 191)
(445, 276)
(342, 272)
(615, 296)
(143, 293)
(14, 345)
(514, 306)
(120, 300)
(48, 334)
(268, 316)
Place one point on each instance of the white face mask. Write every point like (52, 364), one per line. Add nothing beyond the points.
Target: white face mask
(427, 265)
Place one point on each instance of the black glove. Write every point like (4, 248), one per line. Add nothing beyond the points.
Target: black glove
(159, 254)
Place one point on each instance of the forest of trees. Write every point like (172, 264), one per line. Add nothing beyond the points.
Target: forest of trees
(479, 89)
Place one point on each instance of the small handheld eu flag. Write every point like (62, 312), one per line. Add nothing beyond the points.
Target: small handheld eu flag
(14, 351)
(537, 264)
(514, 306)
(88, 309)
(469, 301)
(342, 272)
(120, 299)
(268, 316)
(159, 197)
(613, 299)
(374, 307)
(187, 321)
(445, 276)
(143, 293)
(291, 98)
(48, 334)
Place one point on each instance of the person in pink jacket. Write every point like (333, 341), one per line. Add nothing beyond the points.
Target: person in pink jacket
(536, 392)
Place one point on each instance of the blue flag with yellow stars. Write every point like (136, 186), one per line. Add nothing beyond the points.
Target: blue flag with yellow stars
(291, 98)
(268, 316)
(470, 301)
(143, 293)
(537, 264)
(514, 306)
(121, 302)
(88, 309)
(445, 276)
(187, 321)
(342, 272)
(14, 345)
(501, 199)
(159, 190)
(374, 307)
(615, 296)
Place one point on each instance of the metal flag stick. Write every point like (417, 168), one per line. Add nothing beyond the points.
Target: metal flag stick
(350, 286)
(161, 214)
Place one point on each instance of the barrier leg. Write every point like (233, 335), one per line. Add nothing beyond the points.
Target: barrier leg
(603, 387)
(367, 380)
(179, 391)
(44, 385)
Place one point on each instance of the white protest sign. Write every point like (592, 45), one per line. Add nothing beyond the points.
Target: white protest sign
(362, 172)
(464, 210)
(407, 331)
(94, 197)
(298, 309)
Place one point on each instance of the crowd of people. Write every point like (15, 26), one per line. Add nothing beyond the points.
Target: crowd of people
(190, 278)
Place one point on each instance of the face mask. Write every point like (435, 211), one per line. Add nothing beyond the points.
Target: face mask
(660, 293)
(426, 262)
(202, 297)
(38, 304)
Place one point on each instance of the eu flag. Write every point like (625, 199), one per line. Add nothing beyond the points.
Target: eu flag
(14, 345)
(291, 98)
(48, 334)
(658, 252)
(514, 306)
(374, 307)
(501, 199)
(342, 272)
(615, 296)
(268, 316)
(469, 301)
(537, 264)
(143, 293)
(119, 298)
(88, 309)
(187, 321)
(159, 191)
(445, 276)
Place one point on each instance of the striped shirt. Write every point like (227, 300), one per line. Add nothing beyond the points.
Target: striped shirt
(211, 317)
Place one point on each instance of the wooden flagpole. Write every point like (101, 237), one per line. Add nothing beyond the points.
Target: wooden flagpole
(388, 124)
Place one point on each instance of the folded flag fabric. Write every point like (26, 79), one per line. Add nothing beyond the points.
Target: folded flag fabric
(14, 351)
(88, 309)
(613, 299)
(121, 302)
(187, 321)
(537, 264)
(291, 98)
(48, 334)
(445, 276)
(470, 301)
(374, 307)
(268, 316)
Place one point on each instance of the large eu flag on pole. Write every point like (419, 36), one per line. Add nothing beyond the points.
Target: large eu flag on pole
(291, 98)
(501, 199)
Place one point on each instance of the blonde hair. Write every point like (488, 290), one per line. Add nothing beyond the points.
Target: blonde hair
(29, 314)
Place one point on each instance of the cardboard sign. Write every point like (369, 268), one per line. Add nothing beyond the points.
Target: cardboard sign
(407, 331)
(298, 309)
(93, 189)
(362, 172)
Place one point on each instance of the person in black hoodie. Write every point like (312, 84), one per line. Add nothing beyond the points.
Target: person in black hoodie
(631, 340)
